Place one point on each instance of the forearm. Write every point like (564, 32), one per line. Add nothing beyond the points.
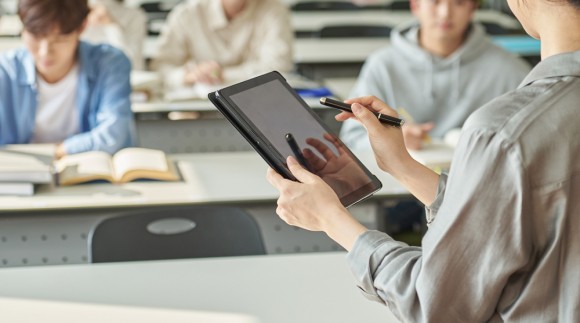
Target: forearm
(343, 228)
(418, 179)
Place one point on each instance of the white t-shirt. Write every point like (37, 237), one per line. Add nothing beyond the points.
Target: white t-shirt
(57, 114)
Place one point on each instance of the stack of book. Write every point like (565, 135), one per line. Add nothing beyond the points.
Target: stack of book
(20, 172)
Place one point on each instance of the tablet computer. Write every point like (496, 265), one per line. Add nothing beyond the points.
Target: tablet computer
(278, 123)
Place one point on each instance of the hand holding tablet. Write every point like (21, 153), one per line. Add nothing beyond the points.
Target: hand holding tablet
(278, 123)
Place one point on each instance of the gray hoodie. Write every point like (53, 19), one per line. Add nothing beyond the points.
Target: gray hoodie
(434, 89)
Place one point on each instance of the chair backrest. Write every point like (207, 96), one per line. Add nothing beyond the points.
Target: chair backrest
(358, 31)
(491, 28)
(174, 233)
(324, 5)
(159, 6)
(399, 5)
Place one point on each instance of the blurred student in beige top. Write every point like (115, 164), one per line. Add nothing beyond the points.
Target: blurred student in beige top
(223, 41)
(111, 22)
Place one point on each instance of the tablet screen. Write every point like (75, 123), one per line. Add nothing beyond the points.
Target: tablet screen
(276, 113)
(290, 128)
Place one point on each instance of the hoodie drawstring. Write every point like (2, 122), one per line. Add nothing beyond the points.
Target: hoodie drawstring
(429, 80)
(456, 80)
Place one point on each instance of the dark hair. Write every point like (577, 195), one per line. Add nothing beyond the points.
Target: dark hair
(575, 3)
(41, 16)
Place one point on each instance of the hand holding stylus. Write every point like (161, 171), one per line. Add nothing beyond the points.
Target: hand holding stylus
(387, 142)
(383, 118)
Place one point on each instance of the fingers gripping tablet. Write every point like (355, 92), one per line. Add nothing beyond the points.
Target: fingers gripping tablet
(278, 123)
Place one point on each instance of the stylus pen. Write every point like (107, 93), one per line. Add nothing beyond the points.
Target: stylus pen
(296, 150)
(383, 118)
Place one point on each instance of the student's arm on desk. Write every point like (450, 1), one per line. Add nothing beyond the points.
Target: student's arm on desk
(274, 43)
(436, 155)
(173, 53)
(115, 128)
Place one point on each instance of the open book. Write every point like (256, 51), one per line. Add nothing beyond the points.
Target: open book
(126, 165)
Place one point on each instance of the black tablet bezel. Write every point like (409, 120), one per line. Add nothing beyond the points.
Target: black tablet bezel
(221, 99)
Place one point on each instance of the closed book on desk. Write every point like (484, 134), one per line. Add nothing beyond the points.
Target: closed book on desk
(127, 165)
(16, 189)
(18, 167)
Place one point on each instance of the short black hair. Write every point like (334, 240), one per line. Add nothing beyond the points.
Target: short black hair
(40, 16)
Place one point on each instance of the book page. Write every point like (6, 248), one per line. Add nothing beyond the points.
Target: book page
(139, 159)
(84, 167)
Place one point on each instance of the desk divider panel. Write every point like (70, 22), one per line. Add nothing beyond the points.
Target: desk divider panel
(201, 135)
(60, 236)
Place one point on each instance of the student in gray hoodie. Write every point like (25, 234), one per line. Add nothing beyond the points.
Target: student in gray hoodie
(440, 70)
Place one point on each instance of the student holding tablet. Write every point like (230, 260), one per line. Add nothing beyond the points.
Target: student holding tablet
(502, 243)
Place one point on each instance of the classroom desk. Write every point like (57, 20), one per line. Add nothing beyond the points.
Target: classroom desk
(304, 22)
(208, 178)
(275, 289)
(197, 126)
(334, 50)
(52, 226)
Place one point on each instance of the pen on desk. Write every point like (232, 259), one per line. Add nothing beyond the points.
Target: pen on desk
(383, 118)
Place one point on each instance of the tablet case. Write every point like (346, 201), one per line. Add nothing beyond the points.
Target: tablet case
(266, 152)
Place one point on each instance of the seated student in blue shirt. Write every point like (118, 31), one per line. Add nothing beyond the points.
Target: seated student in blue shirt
(62, 90)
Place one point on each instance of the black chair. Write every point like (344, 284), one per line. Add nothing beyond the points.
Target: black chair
(399, 5)
(324, 5)
(174, 233)
(354, 31)
(491, 28)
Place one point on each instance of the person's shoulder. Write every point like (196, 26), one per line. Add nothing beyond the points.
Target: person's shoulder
(383, 55)
(272, 4)
(490, 56)
(186, 9)
(502, 114)
(131, 13)
(103, 55)
(505, 58)
(12, 62)
(272, 9)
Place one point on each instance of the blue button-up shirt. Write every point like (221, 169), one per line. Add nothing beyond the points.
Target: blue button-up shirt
(102, 100)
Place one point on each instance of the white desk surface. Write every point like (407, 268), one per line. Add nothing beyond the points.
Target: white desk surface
(340, 86)
(24, 310)
(309, 287)
(208, 178)
(10, 25)
(306, 50)
(200, 105)
(312, 50)
(335, 50)
(315, 20)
